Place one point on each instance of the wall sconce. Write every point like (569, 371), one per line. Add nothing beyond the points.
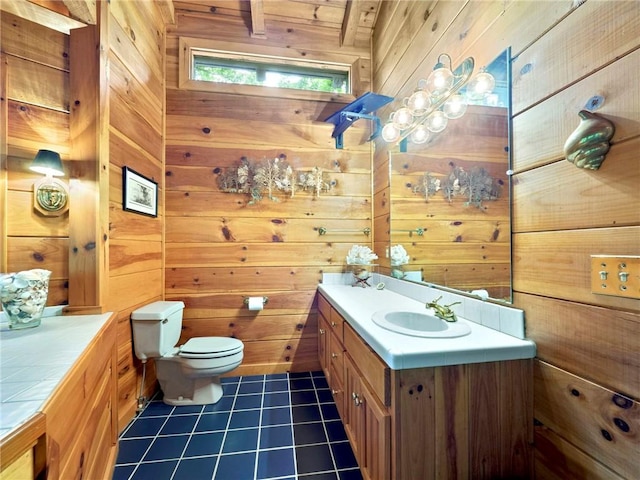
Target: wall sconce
(436, 101)
(50, 195)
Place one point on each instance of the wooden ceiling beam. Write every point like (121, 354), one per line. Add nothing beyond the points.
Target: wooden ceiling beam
(257, 19)
(350, 22)
(83, 10)
(167, 10)
(40, 15)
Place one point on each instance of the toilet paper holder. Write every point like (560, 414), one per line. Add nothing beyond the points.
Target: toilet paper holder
(246, 300)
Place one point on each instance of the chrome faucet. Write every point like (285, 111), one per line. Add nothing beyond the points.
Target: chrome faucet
(443, 311)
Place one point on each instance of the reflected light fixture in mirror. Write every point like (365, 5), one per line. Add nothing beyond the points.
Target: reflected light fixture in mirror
(436, 101)
(50, 194)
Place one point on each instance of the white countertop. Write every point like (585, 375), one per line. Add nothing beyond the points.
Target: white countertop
(399, 351)
(34, 361)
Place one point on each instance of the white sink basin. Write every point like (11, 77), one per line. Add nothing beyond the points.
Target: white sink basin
(419, 324)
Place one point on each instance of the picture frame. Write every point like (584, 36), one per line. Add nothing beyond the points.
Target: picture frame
(139, 193)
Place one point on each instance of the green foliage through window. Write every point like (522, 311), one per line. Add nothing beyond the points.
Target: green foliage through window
(241, 72)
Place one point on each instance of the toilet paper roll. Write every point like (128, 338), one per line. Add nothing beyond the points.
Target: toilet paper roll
(256, 303)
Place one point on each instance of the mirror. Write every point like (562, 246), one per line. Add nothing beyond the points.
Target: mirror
(450, 208)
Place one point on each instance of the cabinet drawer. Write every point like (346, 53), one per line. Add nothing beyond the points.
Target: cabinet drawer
(324, 307)
(336, 322)
(336, 356)
(373, 369)
(324, 334)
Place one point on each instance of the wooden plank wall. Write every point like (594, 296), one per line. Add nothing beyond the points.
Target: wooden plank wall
(587, 387)
(36, 71)
(136, 106)
(37, 57)
(221, 249)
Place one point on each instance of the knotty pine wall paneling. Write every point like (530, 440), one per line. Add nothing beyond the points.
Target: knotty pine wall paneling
(586, 389)
(219, 247)
(136, 123)
(584, 392)
(129, 127)
(35, 115)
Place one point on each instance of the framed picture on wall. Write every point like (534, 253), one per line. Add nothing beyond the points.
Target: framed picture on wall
(139, 194)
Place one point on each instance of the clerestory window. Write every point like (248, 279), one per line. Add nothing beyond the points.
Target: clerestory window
(225, 67)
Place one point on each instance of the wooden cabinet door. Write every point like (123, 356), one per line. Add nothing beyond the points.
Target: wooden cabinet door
(368, 425)
(354, 413)
(375, 463)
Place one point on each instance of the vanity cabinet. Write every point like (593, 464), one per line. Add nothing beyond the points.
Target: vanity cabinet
(359, 391)
(73, 432)
(331, 350)
(468, 421)
(81, 429)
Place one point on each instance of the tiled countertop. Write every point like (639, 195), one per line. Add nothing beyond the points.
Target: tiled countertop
(34, 361)
(483, 344)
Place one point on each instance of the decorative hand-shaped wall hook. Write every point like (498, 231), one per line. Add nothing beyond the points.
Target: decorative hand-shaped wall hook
(587, 146)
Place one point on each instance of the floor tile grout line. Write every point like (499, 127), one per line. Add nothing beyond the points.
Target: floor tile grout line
(324, 427)
(255, 467)
(133, 472)
(293, 433)
(224, 435)
(184, 449)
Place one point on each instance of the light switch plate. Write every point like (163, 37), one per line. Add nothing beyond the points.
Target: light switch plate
(615, 275)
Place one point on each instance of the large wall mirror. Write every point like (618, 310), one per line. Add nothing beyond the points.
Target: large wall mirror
(450, 207)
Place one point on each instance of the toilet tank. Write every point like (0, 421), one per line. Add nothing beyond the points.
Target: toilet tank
(156, 328)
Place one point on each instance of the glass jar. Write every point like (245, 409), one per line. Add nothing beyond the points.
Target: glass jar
(23, 296)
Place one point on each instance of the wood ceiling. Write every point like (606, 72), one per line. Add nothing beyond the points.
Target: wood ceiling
(354, 18)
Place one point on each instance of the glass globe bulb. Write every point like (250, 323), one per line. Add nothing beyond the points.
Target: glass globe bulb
(390, 133)
(455, 107)
(437, 121)
(440, 81)
(402, 118)
(420, 135)
(419, 102)
(480, 86)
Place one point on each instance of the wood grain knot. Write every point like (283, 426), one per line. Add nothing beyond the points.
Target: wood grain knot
(38, 257)
(575, 393)
(607, 436)
(622, 402)
(621, 424)
(206, 130)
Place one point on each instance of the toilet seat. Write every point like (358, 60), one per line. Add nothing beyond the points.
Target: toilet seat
(210, 347)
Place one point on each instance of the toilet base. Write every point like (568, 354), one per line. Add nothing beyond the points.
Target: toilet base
(179, 389)
(204, 391)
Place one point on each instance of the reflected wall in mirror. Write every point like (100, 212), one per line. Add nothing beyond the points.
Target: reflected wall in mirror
(450, 207)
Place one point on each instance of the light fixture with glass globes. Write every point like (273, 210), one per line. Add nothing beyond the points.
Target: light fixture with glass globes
(436, 101)
(50, 195)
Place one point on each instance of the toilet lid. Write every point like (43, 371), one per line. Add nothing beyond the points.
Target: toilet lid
(211, 346)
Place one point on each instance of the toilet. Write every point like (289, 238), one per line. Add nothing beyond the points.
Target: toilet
(188, 374)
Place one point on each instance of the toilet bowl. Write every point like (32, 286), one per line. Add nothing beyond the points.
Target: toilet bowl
(188, 374)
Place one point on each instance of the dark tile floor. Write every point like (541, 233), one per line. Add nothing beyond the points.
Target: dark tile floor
(280, 426)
